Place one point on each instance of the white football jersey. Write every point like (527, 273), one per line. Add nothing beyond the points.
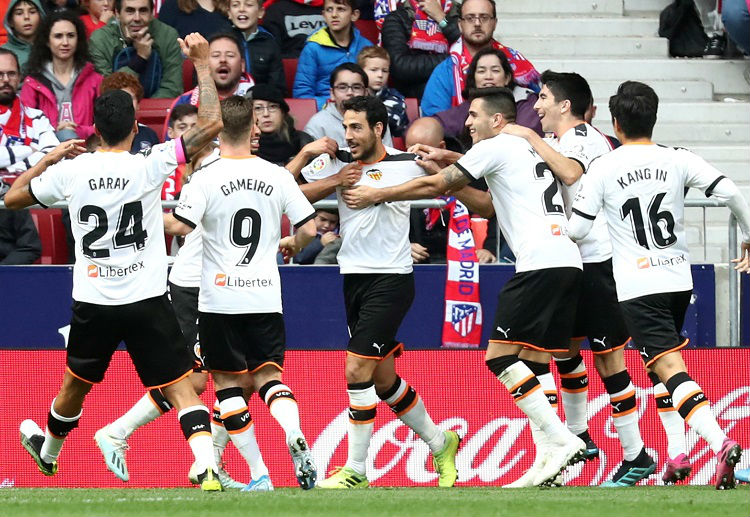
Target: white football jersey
(375, 239)
(642, 191)
(239, 202)
(114, 200)
(583, 143)
(527, 201)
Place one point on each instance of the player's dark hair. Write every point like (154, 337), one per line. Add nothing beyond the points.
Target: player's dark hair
(496, 100)
(114, 116)
(634, 106)
(237, 116)
(6, 52)
(351, 67)
(471, 81)
(569, 86)
(226, 35)
(373, 108)
(461, 9)
(181, 110)
(118, 5)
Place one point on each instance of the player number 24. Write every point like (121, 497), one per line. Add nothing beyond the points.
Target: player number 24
(129, 232)
(660, 222)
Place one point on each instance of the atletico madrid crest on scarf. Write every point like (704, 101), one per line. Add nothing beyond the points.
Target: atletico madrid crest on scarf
(462, 326)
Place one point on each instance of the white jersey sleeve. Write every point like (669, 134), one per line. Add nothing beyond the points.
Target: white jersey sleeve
(478, 161)
(296, 206)
(192, 203)
(163, 159)
(699, 173)
(321, 167)
(52, 185)
(587, 204)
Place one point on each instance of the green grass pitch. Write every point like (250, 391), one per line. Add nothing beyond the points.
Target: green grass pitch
(645, 501)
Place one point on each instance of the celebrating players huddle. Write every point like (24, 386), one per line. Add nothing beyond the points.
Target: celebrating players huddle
(600, 254)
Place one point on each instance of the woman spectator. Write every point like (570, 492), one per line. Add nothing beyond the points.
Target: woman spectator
(206, 17)
(490, 68)
(60, 81)
(98, 14)
(279, 141)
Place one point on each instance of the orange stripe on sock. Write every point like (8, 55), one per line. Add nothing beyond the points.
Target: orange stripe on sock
(629, 394)
(364, 408)
(361, 422)
(663, 409)
(689, 415)
(573, 375)
(518, 385)
(151, 398)
(202, 433)
(406, 390)
(631, 410)
(409, 407)
(689, 396)
(224, 416)
(659, 395)
(532, 390)
(242, 430)
(577, 390)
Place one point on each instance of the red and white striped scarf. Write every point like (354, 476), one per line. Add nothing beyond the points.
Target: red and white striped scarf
(17, 126)
(462, 325)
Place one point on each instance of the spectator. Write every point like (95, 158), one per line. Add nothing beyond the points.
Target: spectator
(417, 40)
(326, 222)
(736, 18)
(376, 64)
(490, 68)
(338, 42)
(227, 70)
(60, 80)
(279, 141)
(260, 50)
(98, 13)
(291, 22)
(19, 239)
(22, 20)
(25, 133)
(477, 22)
(128, 83)
(347, 80)
(187, 16)
(181, 119)
(141, 45)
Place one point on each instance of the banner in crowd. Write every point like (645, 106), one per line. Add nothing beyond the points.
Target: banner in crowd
(458, 391)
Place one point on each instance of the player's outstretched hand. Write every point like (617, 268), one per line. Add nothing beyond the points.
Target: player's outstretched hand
(323, 145)
(516, 130)
(430, 166)
(419, 253)
(67, 149)
(743, 263)
(359, 196)
(195, 47)
(350, 174)
(442, 157)
(287, 247)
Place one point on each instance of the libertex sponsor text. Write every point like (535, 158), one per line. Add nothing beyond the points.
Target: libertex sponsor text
(224, 280)
(95, 271)
(647, 262)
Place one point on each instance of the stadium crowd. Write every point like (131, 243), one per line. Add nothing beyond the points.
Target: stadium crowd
(74, 79)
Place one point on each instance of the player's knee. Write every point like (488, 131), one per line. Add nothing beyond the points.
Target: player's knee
(358, 370)
(609, 364)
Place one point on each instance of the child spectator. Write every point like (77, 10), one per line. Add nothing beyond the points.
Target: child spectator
(339, 42)
(327, 222)
(22, 20)
(60, 80)
(260, 50)
(99, 12)
(129, 83)
(376, 63)
(181, 119)
(291, 22)
(188, 16)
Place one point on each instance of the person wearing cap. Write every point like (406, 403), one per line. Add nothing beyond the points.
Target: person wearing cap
(279, 140)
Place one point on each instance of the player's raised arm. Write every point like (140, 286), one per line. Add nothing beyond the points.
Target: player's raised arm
(324, 145)
(565, 169)
(449, 179)
(209, 124)
(19, 196)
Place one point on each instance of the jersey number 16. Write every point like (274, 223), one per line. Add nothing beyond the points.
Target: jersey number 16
(660, 223)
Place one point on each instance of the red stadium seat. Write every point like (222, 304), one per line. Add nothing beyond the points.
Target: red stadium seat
(153, 113)
(479, 229)
(398, 143)
(302, 110)
(412, 109)
(52, 234)
(369, 30)
(188, 81)
(290, 69)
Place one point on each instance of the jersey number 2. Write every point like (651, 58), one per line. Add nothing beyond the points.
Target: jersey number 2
(549, 206)
(129, 232)
(245, 233)
(660, 223)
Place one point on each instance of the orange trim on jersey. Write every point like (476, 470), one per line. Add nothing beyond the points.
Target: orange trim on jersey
(100, 150)
(79, 377)
(202, 433)
(618, 415)
(364, 408)
(520, 383)
(178, 379)
(664, 409)
(224, 416)
(688, 396)
(627, 395)
(242, 430)
(613, 349)
(241, 157)
(687, 418)
(279, 368)
(528, 345)
(532, 390)
(230, 373)
(151, 398)
(675, 349)
(385, 153)
(401, 397)
(409, 407)
(573, 375)
(638, 143)
(361, 422)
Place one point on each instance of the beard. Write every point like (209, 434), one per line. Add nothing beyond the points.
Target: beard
(6, 99)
